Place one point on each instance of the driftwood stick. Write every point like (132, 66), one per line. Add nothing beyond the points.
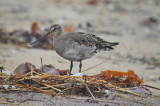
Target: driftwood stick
(42, 65)
(89, 90)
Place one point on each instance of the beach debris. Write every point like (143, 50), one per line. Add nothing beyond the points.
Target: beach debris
(149, 21)
(48, 69)
(69, 29)
(140, 90)
(77, 75)
(7, 72)
(23, 38)
(106, 84)
(27, 67)
(5, 86)
(1, 69)
(64, 72)
(108, 92)
(117, 77)
(93, 2)
(23, 69)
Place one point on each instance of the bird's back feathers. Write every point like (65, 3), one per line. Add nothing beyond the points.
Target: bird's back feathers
(91, 40)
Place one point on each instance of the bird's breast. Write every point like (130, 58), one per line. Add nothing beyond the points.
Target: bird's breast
(76, 55)
(73, 51)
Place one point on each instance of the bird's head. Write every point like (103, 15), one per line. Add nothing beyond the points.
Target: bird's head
(54, 30)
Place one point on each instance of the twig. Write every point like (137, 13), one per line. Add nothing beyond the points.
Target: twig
(45, 92)
(50, 86)
(151, 87)
(9, 90)
(9, 103)
(42, 65)
(36, 89)
(93, 67)
(89, 91)
(124, 90)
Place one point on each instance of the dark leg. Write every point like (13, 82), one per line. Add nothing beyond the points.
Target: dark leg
(80, 66)
(71, 66)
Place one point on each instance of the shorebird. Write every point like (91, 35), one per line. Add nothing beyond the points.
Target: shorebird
(76, 46)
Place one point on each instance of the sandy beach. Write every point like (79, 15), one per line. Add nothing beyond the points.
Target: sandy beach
(135, 24)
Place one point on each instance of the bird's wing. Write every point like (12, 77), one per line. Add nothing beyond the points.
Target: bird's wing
(92, 40)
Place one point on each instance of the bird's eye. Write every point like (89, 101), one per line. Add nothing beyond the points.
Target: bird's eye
(52, 29)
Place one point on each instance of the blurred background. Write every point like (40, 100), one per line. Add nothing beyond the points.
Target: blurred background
(133, 23)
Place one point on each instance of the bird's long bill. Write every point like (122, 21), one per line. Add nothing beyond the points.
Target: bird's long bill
(40, 38)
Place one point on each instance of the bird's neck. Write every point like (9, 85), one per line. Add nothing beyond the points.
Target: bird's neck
(59, 32)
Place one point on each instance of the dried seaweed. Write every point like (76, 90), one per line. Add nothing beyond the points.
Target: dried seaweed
(65, 85)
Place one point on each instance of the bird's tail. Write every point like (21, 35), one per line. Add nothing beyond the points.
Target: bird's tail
(113, 43)
(109, 46)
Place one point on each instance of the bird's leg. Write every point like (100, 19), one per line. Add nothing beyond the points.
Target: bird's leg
(71, 66)
(80, 66)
